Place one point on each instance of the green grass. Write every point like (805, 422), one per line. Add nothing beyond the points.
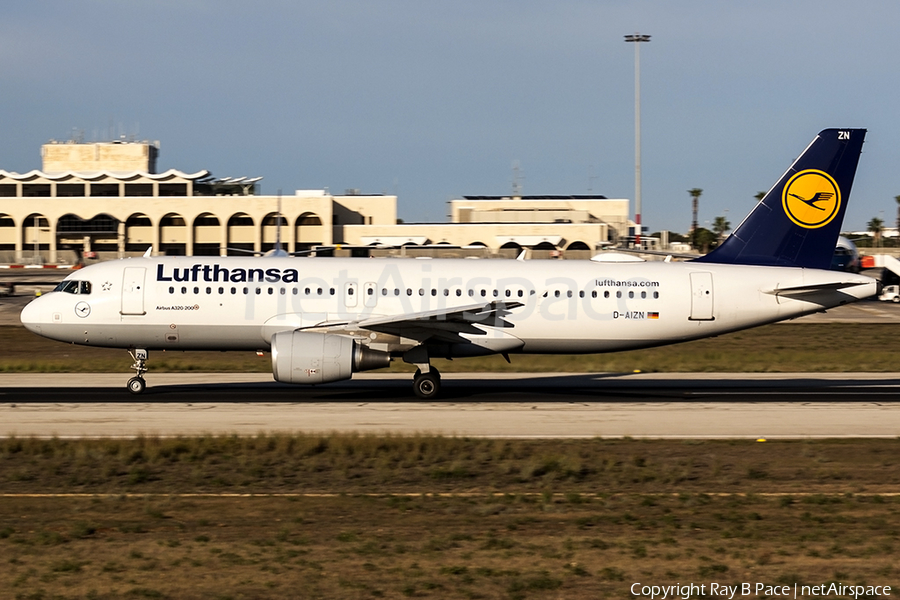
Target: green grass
(532, 519)
(786, 347)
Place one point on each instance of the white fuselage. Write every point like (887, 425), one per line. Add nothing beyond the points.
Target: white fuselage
(228, 303)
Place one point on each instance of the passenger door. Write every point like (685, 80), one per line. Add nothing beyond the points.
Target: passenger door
(133, 291)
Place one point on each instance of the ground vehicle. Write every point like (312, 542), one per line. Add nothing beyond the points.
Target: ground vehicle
(890, 293)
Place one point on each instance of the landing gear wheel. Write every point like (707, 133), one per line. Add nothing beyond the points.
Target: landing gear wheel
(895, 299)
(427, 386)
(137, 385)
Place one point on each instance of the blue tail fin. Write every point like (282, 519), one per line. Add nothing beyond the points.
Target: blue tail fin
(798, 221)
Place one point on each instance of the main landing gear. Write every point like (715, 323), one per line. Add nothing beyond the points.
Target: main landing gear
(427, 385)
(137, 385)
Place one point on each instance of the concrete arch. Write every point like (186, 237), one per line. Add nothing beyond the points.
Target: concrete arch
(138, 233)
(578, 245)
(270, 230)
(7, 233)
(173, 235)
(207, 235)
(37, 238)
(308, 231)
(241, 233)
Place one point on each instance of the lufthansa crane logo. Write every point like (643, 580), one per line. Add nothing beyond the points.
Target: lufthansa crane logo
(811, 199)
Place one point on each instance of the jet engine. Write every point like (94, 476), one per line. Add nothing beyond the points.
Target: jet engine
(311, 358)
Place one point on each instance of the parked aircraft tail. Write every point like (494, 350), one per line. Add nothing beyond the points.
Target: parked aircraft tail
(798, 221)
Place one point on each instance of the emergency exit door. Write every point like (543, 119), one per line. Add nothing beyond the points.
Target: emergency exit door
(133, 291)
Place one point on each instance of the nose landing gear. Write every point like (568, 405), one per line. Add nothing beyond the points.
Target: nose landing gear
(137, 385)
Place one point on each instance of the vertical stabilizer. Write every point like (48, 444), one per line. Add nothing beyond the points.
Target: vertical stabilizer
(798, 221)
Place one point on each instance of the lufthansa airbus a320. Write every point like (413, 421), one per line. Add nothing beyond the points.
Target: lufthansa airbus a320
(324, 319)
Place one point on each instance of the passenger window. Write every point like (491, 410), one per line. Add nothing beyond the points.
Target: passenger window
(171, 290)
(594, 294)
(459, 292)
(409, 291)
(656, 294)
(209, 290)
(221, 291)
(433, 292)
(246, 291)
(618, 294)
(369, 291)
(606, 294)
(471, 293)
(295, 291)
(421, 292)
(350, 291)
(496, 293)
(306, 291)
(569, 294)
(483, 293)
(643, 294)
(581, 294)
(521, 293)
(556, 293)
(631, 294)
(184, 290)
(271, 291)
(233, 291)
(331, 291)
(446, 292)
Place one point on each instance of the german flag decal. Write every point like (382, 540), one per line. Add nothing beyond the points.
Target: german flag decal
(652, 315)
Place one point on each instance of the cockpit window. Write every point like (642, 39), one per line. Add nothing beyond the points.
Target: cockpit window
(73, 286)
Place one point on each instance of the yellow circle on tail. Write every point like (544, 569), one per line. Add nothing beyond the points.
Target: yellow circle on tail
(811, 199)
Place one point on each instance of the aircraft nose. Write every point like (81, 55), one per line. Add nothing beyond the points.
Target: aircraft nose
(31, 316)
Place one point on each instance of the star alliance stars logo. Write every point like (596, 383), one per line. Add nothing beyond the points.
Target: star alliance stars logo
(811, 199)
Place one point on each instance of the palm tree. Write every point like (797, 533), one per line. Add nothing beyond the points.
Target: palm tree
(695, 195)
(897, 198)
(721, 225)
(875, 226)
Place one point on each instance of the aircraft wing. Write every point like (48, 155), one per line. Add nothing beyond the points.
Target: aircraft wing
(444, 324)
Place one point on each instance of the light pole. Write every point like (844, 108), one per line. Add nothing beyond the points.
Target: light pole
(637, 38)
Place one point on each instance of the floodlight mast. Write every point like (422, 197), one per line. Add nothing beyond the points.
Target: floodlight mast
(637, 38)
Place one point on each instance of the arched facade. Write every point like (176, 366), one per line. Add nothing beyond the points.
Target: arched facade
(207, 235)
(270, 231)
(7, 233)
(173, 235)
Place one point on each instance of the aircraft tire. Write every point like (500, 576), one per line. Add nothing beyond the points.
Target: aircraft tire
(427, 386)
(137, 385)
(895, 299)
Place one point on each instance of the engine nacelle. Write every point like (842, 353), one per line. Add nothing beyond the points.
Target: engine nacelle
(311, 358)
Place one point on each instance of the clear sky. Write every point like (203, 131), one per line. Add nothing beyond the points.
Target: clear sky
(434, 100)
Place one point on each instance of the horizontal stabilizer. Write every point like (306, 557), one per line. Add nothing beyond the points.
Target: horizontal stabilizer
(814, 288)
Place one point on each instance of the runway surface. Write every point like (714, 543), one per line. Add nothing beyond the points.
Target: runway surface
(489, 405)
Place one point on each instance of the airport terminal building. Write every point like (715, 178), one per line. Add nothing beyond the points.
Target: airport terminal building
(107, 200)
